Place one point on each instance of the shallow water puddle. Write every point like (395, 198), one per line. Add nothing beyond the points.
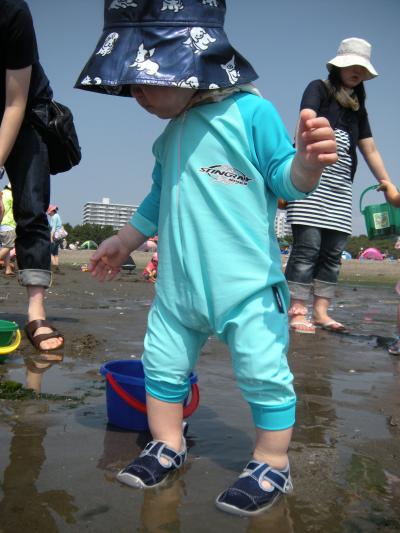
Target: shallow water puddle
(63, 377)
(59, 461)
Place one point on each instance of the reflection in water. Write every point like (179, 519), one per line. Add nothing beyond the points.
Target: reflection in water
(23, 507)
(337, 437)
(277, 519)
(316, 411)
(119, 448)
(365, 476)
(344, 454)
(370, 503)
(313, 450)
(36, 366)
(159, 511)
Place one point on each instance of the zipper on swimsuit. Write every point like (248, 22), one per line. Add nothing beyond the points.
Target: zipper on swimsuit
(178, 189)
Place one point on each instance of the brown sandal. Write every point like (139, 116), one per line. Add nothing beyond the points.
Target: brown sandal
(35, 340)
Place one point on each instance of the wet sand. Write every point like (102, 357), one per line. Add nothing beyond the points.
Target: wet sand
(59, 457)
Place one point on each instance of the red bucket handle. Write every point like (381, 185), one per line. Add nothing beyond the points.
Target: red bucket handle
(188, 410)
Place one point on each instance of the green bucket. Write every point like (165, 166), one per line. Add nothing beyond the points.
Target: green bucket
(7, 332)
(10, 337)
(381, 220)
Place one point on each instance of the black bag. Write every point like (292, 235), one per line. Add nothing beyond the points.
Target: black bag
(59, 134)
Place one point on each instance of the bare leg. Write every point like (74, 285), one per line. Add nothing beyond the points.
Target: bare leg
(34, 380)
(4, 252)
(298, 316)
(7, 269)
(165, 421)
(321, 316)
(36, 311)
(271, 447)
(7, 264)
(321, 306)
(54, 260)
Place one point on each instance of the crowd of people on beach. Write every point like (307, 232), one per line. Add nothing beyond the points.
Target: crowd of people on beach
(221, 164)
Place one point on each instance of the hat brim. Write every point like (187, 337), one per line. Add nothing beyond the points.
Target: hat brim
(350, 60)
(163, 56)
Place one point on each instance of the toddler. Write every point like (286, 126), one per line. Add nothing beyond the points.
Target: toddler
(221, 163)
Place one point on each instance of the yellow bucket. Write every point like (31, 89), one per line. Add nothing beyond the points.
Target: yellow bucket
(10, 337)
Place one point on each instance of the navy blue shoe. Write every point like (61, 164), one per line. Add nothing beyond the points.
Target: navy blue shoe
(247, 497)
(394, 347)
(147, 470)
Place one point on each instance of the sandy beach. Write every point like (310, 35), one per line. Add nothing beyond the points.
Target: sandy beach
(351, 270)
(60, 456)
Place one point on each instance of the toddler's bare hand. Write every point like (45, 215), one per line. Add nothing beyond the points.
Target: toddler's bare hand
(316, 144)
(106, 261)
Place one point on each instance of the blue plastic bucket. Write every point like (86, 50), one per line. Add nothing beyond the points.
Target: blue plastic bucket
(125, 382)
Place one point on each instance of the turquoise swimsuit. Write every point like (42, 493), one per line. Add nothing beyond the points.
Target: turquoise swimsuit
(219, 170)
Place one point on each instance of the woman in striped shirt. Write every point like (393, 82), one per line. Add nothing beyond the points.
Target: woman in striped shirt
(321, 223)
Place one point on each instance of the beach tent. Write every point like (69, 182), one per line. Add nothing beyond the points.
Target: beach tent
(88, 245)
(346, 255)
(372, 253)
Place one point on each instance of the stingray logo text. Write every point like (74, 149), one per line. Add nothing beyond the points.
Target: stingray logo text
(226, 174)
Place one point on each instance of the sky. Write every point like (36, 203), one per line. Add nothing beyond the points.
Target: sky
(288, 42)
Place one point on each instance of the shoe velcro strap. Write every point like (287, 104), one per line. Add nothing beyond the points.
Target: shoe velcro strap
(152, 448)
(157, 448)
(176, 458)
(263, 472)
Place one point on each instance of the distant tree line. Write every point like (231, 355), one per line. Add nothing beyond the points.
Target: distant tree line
(356, 243)
(96, 233)
(362, 241)
(88, 232)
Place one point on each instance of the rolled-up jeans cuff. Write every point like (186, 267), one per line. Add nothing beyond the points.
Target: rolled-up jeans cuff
(299, 291)
(35, 277)
(324, 289)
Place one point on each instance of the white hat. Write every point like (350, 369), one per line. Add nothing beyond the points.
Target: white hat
(354, 51)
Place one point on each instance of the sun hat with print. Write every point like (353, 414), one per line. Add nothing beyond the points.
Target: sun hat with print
(178, 43)
(354, 51)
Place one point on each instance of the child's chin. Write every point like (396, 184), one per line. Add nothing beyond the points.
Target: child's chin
(165, 115)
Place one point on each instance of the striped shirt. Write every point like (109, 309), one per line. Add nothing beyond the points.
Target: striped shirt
(330, 205)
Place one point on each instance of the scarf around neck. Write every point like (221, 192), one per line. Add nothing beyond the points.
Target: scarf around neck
(344, 97)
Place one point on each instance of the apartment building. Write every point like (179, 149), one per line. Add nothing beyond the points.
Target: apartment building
(282, 228)
(105, 213)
